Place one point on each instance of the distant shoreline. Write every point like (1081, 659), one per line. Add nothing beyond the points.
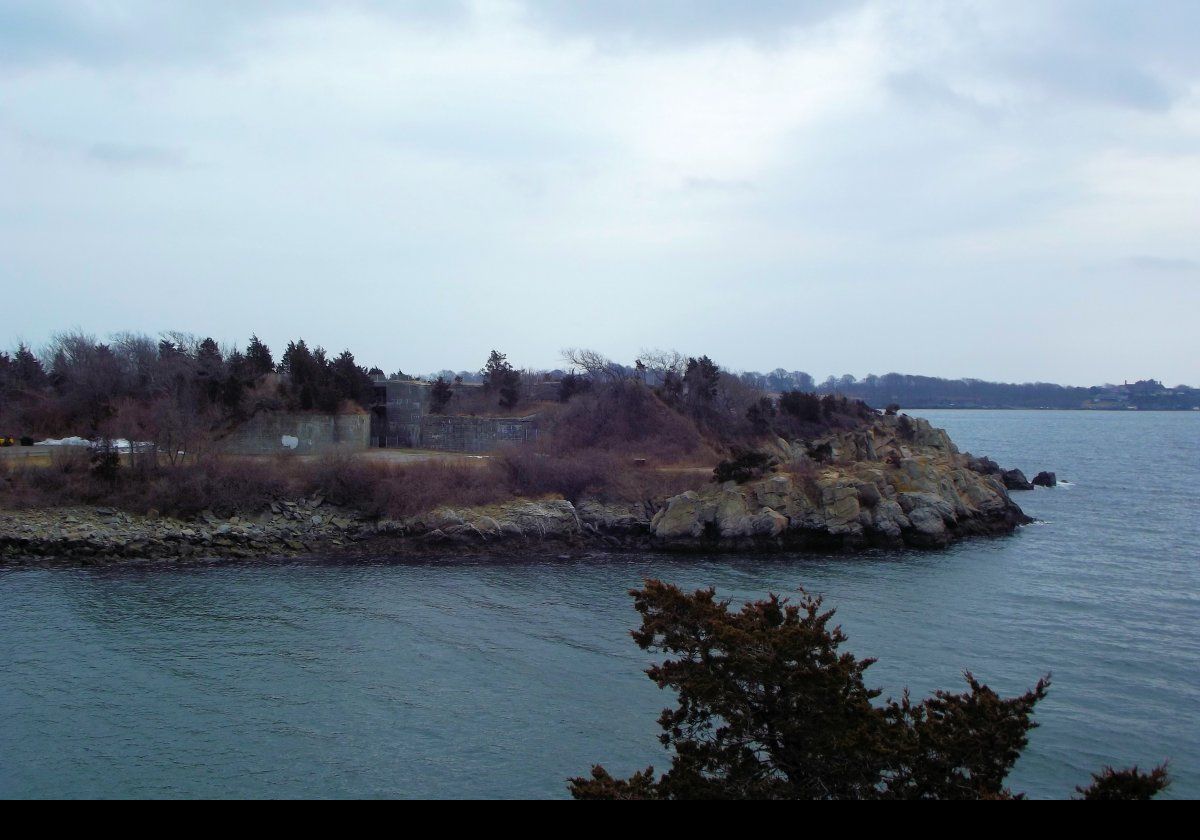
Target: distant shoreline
(1047, 408)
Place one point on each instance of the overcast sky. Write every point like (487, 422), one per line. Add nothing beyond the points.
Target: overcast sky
(1003, 190)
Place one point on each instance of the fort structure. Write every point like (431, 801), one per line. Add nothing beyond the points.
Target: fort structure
(298, 433)
(399, 418)
(396, 411)
(474, 434)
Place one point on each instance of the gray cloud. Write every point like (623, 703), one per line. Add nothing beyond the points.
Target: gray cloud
(1167, 265)
(134, 31)
(121, 155)
(673, 21)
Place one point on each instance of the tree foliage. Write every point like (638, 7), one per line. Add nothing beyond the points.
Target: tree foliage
(173, 391)
(769, 707)
(1127, 784)
(745, 465)
(501, 379)
(440, 395)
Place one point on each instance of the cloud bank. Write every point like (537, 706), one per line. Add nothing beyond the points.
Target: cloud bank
(1004, 190)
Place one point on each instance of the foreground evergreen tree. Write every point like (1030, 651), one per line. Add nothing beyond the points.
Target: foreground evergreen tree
(1125, 784)
(769, 708)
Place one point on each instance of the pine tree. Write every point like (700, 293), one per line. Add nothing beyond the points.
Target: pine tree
(258, 357)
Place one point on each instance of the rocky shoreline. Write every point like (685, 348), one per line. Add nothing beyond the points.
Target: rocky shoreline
(899, 482)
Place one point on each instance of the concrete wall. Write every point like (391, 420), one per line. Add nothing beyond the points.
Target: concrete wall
(399, 406)
(400, 418)
(298, 434)
(474, 434)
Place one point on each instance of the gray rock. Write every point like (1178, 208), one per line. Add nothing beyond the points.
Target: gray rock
(682, 518)
(1015, 480)
(1045, 479)
(927, 522)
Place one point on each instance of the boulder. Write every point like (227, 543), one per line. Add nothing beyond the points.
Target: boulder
(1045, 479)
(682, 518)
(868, 494)
(487, 527)
(928, 524)
(1015, 480)
(889, 520)
(613, 516)
(983, 466)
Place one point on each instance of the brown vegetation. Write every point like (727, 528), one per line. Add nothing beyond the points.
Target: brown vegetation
(624, 419)
(229, 485)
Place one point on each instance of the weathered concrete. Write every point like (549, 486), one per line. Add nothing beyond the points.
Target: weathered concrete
(400, 418)
(474, 434)
(396, 416)
(297, 433)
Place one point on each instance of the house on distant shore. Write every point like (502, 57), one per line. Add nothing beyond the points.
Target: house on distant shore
(1149, 394)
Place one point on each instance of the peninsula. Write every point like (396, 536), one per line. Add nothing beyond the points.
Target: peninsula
(179, 449)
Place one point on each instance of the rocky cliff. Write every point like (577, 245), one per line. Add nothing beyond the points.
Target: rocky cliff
(897, 481)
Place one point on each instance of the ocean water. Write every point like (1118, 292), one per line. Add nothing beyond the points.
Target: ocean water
(501, 679)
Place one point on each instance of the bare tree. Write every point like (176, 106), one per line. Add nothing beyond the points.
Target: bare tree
(660, 363)
(597, 366)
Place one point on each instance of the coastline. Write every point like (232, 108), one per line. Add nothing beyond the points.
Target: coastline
(552, 526)
(898, 483)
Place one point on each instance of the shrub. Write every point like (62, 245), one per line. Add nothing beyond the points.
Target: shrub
(803, 406)
(746, 464)
(232, 485)
(821, 453)
(627, 419)
(105, 464)
(531, 473)
(572, 384)
(70, 459)
(804, 473)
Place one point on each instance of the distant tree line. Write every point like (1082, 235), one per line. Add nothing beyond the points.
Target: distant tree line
(730, 411)
(912, 391)
(174, 390)
(177, 385)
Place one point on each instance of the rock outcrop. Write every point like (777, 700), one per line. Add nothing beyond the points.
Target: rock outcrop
(890, 485)
(1015, 480)
(1045, 479)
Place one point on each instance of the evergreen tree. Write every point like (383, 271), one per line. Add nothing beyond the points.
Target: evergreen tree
(701, 380)
(440, 395)
(258, 358)
(769, 707)
(28, 370)
(499, 378)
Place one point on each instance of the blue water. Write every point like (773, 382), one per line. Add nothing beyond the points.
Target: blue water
(488, 679)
